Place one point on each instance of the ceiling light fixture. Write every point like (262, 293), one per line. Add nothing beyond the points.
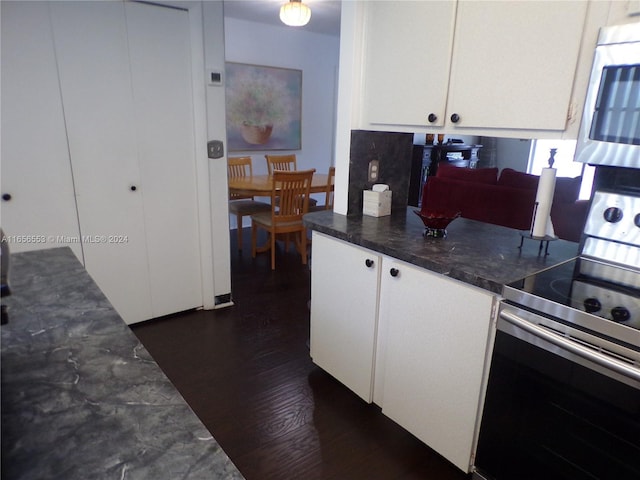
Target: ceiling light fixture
(295, 13)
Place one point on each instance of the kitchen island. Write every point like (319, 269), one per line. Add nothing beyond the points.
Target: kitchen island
(81, 397)
(408, 322)
(477, 253)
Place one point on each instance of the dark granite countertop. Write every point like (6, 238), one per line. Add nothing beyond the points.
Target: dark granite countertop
(81, 397)
(476, 253)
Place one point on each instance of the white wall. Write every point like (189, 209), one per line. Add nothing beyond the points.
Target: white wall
(513, 153)
(317, 56)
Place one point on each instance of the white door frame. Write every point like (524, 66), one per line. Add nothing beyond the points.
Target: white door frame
(214, 255)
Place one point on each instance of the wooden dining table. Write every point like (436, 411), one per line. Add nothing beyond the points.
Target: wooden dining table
(261, 185)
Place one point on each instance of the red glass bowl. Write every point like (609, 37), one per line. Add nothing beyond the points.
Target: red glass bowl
(436, 222)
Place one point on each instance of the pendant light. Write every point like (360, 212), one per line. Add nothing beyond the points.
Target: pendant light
(295, 13)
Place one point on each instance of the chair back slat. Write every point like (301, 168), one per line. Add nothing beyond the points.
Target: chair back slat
(281, 162)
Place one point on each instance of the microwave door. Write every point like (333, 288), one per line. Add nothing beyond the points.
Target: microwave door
(610, 129)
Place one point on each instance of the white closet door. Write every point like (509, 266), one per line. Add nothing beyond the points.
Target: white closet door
(160, 54)
(36, 169)
(92, 52)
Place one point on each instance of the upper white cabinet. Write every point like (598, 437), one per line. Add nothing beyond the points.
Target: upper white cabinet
(470, 66)
(407, 56)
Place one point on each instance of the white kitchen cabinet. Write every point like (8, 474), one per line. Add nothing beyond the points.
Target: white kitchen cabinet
(495, 65)
(434, 335)
(413, 341)
(407, 58)
(344, 297)
(108, 89)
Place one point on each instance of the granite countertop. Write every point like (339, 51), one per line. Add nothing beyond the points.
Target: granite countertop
(474, 252)
(81, 397)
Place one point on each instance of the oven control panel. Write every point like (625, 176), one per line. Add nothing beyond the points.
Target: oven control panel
(614, 217)
(613, 229)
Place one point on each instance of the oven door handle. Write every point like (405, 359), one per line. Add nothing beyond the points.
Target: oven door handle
(601, 359)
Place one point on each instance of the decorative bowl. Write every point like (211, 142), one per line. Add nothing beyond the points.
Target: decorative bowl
(436, 222)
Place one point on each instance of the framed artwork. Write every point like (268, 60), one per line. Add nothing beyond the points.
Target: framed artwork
(264, 107)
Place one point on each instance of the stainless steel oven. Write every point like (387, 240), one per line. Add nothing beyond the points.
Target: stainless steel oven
(563, 394)
(610, 128)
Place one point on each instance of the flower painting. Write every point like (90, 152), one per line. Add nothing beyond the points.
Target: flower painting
(263, 107)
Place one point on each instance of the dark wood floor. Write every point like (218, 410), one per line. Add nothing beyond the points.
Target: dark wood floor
(246, 372)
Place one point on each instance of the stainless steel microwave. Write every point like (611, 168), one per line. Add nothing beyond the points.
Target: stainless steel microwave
(610, 128)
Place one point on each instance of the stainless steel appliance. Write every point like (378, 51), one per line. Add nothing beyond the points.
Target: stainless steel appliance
(563, 395)
(610, 128)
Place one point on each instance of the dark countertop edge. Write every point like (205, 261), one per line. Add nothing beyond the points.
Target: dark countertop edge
(340, 226)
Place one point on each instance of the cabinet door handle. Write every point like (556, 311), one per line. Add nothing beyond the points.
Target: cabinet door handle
(6, 197)
(368, 262)
(455, 118)
(394, 272)
(133, 188)
(432, 117)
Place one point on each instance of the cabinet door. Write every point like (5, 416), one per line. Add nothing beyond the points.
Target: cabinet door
(514, 63)
(407, 57)
(344, 295)
(36, 169)
(435, 332)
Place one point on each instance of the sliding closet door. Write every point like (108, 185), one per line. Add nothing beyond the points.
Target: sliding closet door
(93, 62)
(160, 54)
(125, 75)
(39, 209)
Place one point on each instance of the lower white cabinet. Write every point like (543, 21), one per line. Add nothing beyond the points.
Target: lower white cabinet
(344, 297)
(433, 341)
(412, 341)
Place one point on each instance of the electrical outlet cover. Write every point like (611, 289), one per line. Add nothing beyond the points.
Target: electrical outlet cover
(374, 170)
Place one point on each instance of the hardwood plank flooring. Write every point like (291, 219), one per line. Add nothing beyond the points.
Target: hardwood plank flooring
(246, 372)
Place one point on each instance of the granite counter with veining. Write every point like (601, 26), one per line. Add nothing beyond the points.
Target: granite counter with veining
(81, 397)
(477, 253)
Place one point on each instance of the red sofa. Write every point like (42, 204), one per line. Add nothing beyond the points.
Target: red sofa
(507, 199)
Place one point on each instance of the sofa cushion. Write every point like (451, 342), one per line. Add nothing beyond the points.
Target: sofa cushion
(512, 178)
(566, 190)
(475, 175)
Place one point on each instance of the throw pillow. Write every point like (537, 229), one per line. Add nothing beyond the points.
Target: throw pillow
(476, 175)
(512, 178)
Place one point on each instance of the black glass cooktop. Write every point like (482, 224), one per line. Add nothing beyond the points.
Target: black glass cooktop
(564, 285)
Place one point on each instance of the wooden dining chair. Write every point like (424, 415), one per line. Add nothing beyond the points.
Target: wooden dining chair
(293, 188)
(328, 201)
(287, 163)
(281, 162)
(243, 205)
